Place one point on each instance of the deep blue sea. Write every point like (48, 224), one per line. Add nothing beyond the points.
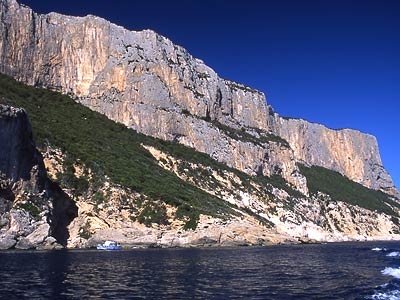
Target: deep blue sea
(326, 271)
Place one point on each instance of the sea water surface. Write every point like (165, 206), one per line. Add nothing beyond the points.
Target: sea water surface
(369, 270)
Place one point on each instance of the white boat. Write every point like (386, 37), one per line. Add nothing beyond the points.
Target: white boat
(109, 245)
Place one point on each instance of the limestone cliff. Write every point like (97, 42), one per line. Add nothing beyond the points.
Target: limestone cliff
(143, 191)
(33, 211)
(349, 152)
(146, 82)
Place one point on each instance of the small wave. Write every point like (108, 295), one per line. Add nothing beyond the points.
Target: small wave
(393, 254)
(378, 249)
(387, 291)
(395, 272)
(390, 295)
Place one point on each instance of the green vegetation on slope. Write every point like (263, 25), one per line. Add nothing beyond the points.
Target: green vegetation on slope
(116, 150)
(340, 188)
(94, 139)
(190, 155)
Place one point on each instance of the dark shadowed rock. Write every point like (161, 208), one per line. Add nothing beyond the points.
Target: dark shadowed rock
(31, 206)
(24, 244)
(19, 159)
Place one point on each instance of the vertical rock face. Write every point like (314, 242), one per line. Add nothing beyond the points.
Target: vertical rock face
(31, 207)
(349, 152)
(119, 70)
(146, 82)
(19, 159)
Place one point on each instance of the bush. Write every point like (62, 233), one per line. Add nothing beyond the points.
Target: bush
(153, 213)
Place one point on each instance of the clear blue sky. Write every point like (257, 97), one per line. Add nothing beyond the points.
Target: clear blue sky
(332, 62)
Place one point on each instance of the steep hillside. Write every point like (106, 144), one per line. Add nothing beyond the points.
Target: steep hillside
(144, 191)
(149, 84)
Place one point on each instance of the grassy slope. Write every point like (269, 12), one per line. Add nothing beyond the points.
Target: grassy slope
(91, 137)
(340, 188)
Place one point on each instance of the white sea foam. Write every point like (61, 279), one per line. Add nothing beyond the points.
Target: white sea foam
(387, 296)
(387, 292)
(391, 295)
(395, 272)
(393, 254)
(378, 249)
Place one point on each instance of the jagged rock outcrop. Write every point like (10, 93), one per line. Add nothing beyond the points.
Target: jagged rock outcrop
(29, 203)
(144, 81)
(19, 158)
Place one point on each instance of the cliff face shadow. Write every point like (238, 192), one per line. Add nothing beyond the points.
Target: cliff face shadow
(64, 211)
